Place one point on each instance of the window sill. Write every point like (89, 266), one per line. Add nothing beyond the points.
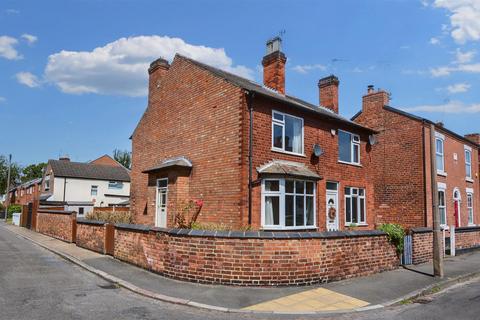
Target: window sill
(356, 225)
(444, 227)
(471, 225)
(469, 180)
(289, 153)
(350, 163)
(278, 228)
(441, 173)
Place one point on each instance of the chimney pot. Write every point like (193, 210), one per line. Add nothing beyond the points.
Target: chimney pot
(64, 158)
(274, 66)
(370, 89)
(328, 92)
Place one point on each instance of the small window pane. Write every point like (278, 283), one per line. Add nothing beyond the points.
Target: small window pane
(362, 210)
(272, 185)
(356, 152)
(348, 210)
(344, 146)
(354, 209)
(162, 183)
(299, 187)
(332, 186)
(272, 211)
(289, 186)
(293, 135)
(347, 191)
(299, 211)
(309, 209)
(278, 116)
(361, 192)
(289, 211)
(277, 136)
(309, 186)
(356, 138)
(440, 162)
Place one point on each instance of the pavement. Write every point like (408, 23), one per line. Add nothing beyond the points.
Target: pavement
(356, 294)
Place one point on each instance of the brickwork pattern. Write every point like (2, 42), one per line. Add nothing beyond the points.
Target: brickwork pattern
(91, 237)
(468, 239)
(264, 262)
(56, 225)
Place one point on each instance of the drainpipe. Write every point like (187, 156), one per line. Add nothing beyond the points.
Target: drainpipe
(250, 96)
(425, 204)
(64, 188)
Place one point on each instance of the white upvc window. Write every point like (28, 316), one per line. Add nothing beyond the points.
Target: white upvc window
(94, 190)
(287, 133)
(442, 207)
(115, 185)
(468, 163)
(355, 206)
(348, 147)
(470, 208)
(440, 153)
(288, 204)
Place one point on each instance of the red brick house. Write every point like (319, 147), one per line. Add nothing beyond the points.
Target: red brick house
(25, 193)
(401, 167)
(253, 154)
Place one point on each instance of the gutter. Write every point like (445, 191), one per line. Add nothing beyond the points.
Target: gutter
(250, 96)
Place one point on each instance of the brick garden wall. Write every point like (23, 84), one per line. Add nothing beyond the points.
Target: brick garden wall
(422, 245)
(466, 238)
(254, 258)
(57, 224)
(91, 235)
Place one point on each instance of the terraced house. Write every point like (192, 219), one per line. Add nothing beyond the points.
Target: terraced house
(253, 154)
(402, 165)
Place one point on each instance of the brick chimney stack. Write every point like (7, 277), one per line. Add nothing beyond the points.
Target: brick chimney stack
(375, 99)
(157, 70)
(474, 137)
(328, 92)
(274, 66)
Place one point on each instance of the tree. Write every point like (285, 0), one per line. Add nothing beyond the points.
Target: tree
(14, 174)
(124, 157)
(33, 171)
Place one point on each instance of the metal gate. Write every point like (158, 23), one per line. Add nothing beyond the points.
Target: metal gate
(29, 216)
(407, 250)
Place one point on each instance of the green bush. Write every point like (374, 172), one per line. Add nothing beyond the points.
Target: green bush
(110, 217)
(395, 233)
(12, 209)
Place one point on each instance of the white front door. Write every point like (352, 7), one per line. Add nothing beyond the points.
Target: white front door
(161, 203)
(332, 206)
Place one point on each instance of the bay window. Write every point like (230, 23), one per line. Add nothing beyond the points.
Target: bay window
(355, 207)
(288, 204)
(348, 147)
(287, 133)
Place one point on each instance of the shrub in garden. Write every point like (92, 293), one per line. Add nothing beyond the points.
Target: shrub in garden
(110, 217)
(395, 233)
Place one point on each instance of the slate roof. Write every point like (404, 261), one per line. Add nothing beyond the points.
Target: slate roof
(418, 118)
(69, 169)
(173, 162)
(281, 167)
(270, 93)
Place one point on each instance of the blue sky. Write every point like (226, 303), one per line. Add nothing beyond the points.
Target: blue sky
(73, 73)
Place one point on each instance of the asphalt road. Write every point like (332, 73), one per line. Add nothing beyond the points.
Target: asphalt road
(36, 284)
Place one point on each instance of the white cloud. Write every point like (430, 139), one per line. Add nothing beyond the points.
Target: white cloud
(458, 88)
(464, 57)
(31, 39)
(28, 79)
(464, 18)
(447, 70)
(7, 48)
(308, 67)
(434, 41)
(449, 107)
(12, 11)
(120, 67)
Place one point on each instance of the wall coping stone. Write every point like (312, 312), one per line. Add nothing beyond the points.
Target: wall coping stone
(56, 212)
(251, 234)
(467, 229)
(92, 222)
(421, 230)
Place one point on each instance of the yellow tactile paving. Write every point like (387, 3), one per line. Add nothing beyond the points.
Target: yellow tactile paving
(319, 299)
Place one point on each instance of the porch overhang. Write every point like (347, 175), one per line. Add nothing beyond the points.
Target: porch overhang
(287, 168)
(178, 162)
